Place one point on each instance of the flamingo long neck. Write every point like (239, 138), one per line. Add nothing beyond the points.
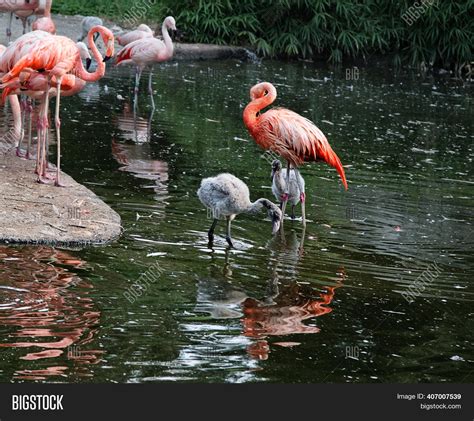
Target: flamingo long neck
(258, 205)
(252, 110)
(280, 181)
(167, 39)
(99, 72)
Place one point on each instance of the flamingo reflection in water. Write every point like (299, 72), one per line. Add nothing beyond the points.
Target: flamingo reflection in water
(134, 157)
(284, 310)
(46, 309)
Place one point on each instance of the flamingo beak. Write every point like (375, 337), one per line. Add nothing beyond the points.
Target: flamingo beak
(88, 63)
(273, 174)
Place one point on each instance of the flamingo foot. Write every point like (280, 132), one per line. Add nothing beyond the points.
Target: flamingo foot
(59, 184)
(41, 180)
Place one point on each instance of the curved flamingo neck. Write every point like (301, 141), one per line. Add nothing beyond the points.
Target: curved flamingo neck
(167, 39)
(252, 110)
(99, 72)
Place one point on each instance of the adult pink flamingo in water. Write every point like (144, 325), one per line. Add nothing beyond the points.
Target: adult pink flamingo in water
(145, 52)
(289, 135)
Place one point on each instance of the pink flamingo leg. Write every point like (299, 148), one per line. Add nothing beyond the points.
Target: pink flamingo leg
(58, 135)
(29, 110)
(44, 124)
(302, 196)
(22, 129)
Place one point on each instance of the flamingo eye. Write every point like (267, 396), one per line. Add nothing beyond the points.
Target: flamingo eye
(266, 92)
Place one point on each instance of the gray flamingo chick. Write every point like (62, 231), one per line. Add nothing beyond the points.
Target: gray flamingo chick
(226, 196)
(87, 24)
(295, 191)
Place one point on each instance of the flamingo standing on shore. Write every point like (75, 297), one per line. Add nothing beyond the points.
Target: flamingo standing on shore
(56, 56)
(143, 31)
(16, 111)
(33, 85)
(289, 135)
(146, 52)
(226, 196)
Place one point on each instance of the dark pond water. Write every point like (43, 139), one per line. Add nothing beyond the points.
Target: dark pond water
(325, 305)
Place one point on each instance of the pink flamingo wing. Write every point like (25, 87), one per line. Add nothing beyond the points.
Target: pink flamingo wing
(297, 139)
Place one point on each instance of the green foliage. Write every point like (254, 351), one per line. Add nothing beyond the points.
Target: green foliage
(332, 29)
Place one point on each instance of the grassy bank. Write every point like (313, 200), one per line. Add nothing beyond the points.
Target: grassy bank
(440, 32)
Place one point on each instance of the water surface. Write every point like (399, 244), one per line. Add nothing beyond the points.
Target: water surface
(324, 305)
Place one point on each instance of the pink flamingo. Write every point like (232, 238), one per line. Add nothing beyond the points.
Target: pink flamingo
(55, 56)
(23, 9)
(143, 31)
(45, 23)
(146, 52)
(33, 86)
(16, 109)
(288, 134)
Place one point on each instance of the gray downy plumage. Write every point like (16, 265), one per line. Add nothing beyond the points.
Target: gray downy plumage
(226, 196)
(279, 185)
(87, 24)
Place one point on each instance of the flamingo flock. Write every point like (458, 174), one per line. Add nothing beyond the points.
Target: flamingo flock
(41, 65)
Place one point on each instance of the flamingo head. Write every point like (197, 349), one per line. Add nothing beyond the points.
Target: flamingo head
(276, 167)
(84, 53)
(108, 39)
(170, 23)
(274, 213)
(262, 90)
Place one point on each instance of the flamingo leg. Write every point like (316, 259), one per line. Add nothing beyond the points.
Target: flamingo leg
(22, 129)
(210, 234)
(57, 121)
(302, 196)
(138, 75)
(24, 22)
(150, 88)
(228, 236)
(9, 29)
(42, 129)
(30, 127)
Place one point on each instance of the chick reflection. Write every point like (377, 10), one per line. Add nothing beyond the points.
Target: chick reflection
(286, 307)
(45, 309)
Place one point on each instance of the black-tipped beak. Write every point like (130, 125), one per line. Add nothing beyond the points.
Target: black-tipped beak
(273, 174)
(88, 63)
(106, 59)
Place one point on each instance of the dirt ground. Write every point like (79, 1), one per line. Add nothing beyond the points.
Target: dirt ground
(44, 214)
